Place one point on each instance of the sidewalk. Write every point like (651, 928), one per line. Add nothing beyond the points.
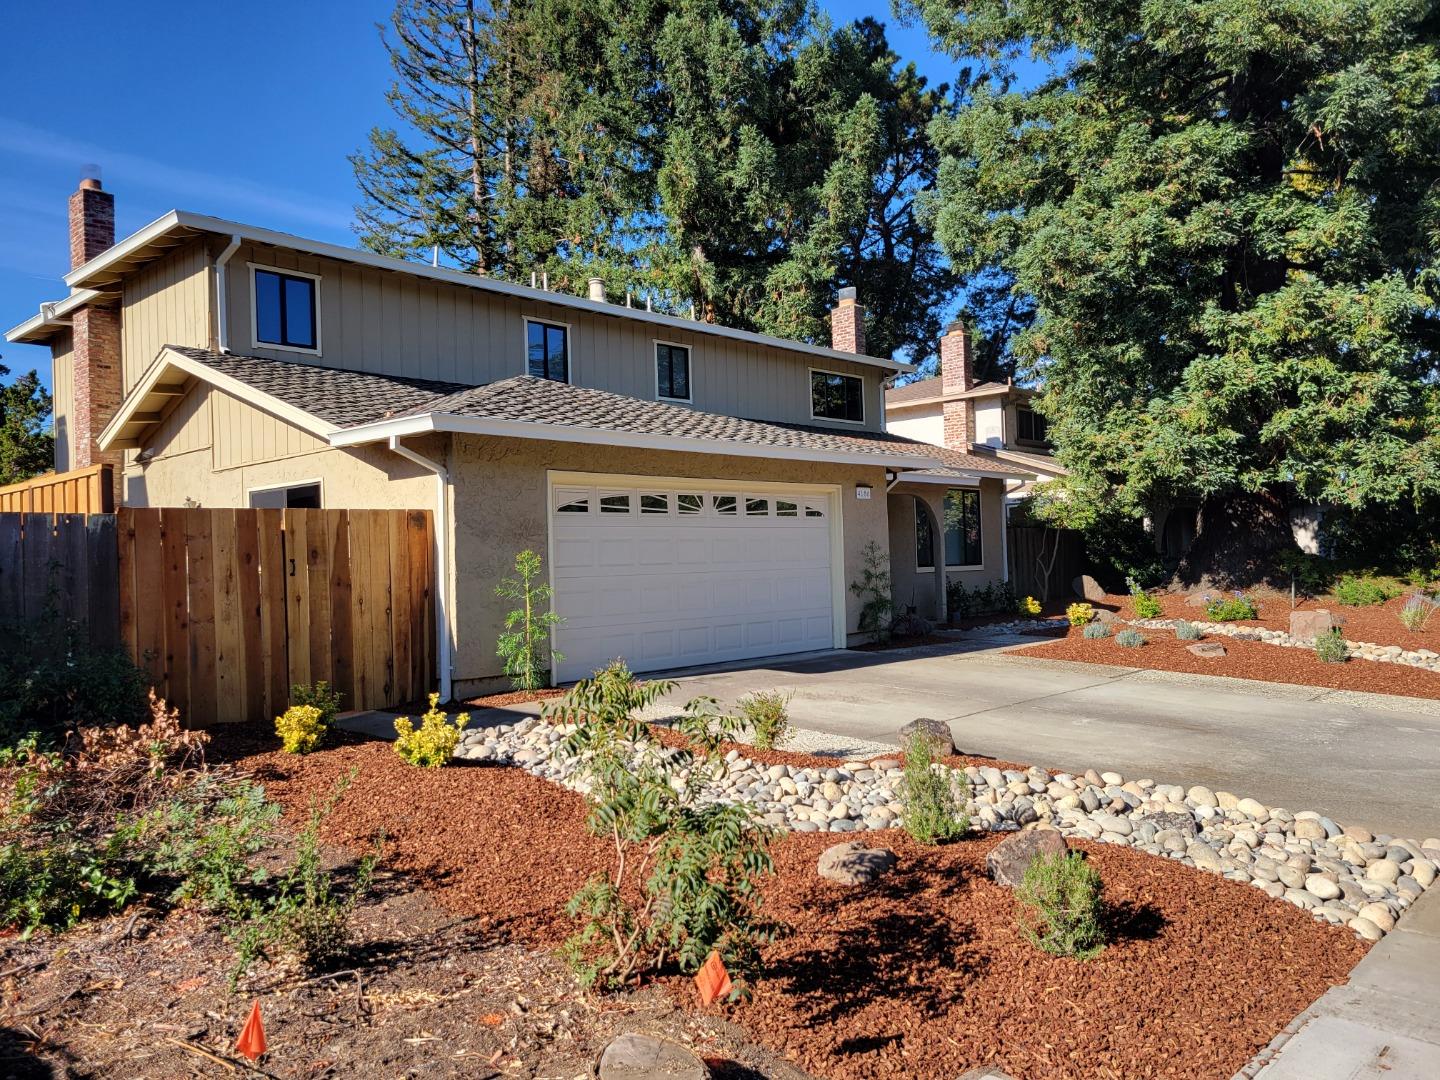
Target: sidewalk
(1384, 1023)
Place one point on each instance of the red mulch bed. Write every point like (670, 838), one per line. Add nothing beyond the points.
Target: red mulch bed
(1245, 660)
(513, 697)
(925, 974)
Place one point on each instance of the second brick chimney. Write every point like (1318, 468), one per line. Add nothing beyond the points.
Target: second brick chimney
(847, 323)
(957, 375)
(95, 330)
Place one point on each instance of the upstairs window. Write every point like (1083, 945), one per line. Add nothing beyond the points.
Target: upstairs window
(672, 372)
(285, 310)
(547, 350)
(1031, 427)
(962, 528)
(837, 397)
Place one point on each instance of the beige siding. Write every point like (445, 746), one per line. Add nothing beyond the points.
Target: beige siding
(245, 435)
(166, 302)
(62, 382)
(371, 320)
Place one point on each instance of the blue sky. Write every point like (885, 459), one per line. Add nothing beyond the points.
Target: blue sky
(246, 111)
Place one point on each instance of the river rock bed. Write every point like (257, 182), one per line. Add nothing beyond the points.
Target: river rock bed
(1341, 874)
(1359, 650)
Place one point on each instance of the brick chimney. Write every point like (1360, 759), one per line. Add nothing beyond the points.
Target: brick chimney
(956, 376)
(95, 329)
(847, 323)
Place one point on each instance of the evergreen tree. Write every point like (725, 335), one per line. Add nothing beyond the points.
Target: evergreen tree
(1227, 215)
(26, 447)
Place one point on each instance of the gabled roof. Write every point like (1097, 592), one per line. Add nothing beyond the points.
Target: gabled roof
(930, 392)
(351, 408)
(105, 272)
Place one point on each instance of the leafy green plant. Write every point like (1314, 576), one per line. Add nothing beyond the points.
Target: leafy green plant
(204, 838)
(1354, 591)
(524, 644)
(1145, 605)
(319, 695)
(1096, 630)
(931, 814)
(1129, 638)
(684, 877)
(1235, 608)
(433, 743)
(301, 729)
(877, 607)
(767, 714)
(1063, 912)
(1330, 647)
(989, 599)
(1186, 630)
(1080, 614)
(1417, 611)
(1311, 575)
(1029, 606)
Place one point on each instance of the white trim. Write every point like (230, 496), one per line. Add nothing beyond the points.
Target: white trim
(222, 300)
(689, 370)
(527, 429)
(318, 481)
(184, 219)
(834, 511)
(966, 479)
(255, 341)
(52, 314)
(525, 343)
(810, 389)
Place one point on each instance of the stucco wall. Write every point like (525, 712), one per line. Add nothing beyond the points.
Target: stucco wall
(906, 581)
(500, 508)
(925, 424)
(989, 421)
(909, 585)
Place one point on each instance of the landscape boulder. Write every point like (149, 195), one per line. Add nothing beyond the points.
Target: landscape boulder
(1197, 600)
(1009, 859)
(634, 1056)
(1308, 625)
(1210, 650)
(853, 863)
(1169, 819)
(1087, 587)
(942, 742)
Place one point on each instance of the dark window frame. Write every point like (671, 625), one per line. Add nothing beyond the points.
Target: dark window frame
(669, 350)
(924, 539)
(835, 388)
(297, 496)
(968, 532)
(282, 292)
(1039, 427)
(546, 327)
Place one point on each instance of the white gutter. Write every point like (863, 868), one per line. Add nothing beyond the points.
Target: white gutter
(442, 566)
(222, 312)
(52, 314)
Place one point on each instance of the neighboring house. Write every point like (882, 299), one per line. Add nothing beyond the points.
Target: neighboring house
(701, 494)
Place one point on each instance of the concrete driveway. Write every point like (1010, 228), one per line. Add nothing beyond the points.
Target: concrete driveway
(1362, 759)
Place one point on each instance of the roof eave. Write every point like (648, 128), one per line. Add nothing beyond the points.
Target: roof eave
(41, 327)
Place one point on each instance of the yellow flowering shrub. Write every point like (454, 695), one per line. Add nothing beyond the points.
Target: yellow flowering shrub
(1029, 606)
(433, 743)
(1080, 614)
(300, 729)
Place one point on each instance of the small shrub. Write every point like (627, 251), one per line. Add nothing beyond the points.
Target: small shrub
(1145, 605)
(1062, 895)
(766, 713)
(931, 814)
(997, 596)
(1129, 639)
(321, 695)
(877, 606)
(434, 743)
(1096, 630)
(1417, 611)
(1188, 631)
(1029, 606)
(524, 644)
(1080, 614)
(1235, 608)
(1330, 647)
(1354, 591)
(301, 729)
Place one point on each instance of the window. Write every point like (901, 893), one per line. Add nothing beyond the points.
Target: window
(614, 504)
(298, 497)
(724, 504)
(547, 351)
(962, 528)
(572, 502)
(924, 538)
(757, 507)
(688, 503)
(836, 397)
(1031, 427)
(672, 371)
(784, 508)
(654, 504)
(285, 310)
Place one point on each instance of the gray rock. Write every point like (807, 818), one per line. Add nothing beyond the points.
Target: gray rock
(1008, 860)
(644, 1057)
(1088, 588)
(853, 863)
(1208, 650)
(942, 742)
(1176, 822)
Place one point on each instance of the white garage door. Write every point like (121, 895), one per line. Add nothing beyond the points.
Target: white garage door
(671, 574)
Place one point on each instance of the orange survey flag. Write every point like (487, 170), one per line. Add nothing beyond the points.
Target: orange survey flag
(712, 980)
(252, 1036)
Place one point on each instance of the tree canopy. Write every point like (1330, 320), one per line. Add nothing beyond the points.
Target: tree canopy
(26, 447)
(745, 158)
(1226, 214)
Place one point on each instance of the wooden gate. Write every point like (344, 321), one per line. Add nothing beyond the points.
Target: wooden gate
(226, 609)
(75, 491)
(1043, 562)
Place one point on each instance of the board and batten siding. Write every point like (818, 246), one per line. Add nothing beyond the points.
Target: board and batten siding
(166, 302)
(62, 383)
(378, 321)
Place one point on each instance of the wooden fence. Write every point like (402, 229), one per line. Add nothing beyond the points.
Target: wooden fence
(79, 491)
(227, 609)
(1043, 562)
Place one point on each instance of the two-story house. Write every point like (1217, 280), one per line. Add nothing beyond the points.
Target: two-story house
(701, 494)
